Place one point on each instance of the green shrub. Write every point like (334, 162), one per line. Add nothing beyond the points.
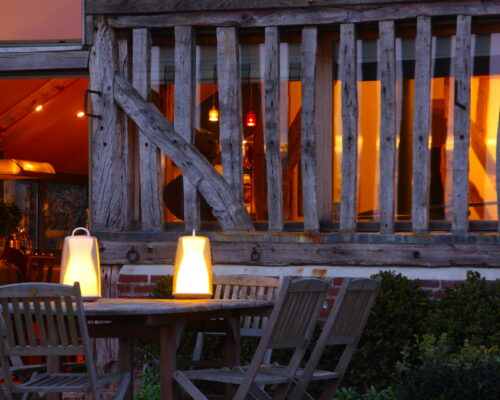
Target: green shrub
(350, 393)
(469, 311)
(440, 374)
(399, 313)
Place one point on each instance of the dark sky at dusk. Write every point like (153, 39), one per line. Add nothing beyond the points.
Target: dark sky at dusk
(40, 19)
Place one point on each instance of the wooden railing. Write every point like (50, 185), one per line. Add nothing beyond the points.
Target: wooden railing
(114, 147)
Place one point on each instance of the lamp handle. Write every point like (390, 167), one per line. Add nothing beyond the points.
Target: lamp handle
(81, 228)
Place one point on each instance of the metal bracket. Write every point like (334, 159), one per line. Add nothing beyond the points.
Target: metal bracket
(85, 103)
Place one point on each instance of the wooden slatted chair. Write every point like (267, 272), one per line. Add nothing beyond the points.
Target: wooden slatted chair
(46, 319)
(242, 287)
(343, 327)
(291, 325)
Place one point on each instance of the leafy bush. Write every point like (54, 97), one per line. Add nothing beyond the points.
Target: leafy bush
(10, 218)
(372, 393)
(440, 374)
(398, 315)
(469, 311)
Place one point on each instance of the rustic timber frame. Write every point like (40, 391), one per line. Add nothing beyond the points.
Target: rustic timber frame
(126, 205)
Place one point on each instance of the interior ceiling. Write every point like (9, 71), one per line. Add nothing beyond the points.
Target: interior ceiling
(55, 134)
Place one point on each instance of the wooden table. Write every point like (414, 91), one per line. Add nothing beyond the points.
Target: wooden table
(166, 319)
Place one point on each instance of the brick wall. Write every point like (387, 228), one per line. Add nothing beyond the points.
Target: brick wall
(140, 286)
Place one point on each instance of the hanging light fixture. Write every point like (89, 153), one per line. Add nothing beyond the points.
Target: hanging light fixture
(213, 114)
(193, 268)
(251, 119)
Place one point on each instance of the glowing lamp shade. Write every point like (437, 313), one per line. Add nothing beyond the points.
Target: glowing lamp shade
(213, 114)
(251, 119)
(80, 262)
(193, 268)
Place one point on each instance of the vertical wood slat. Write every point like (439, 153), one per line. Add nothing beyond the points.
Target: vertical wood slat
(324, 129)
(107, 182)
(8, 322)
(18, 322)
(28, 318)
(151, 202)
(231, 129)
(271, 129)
(421, 126)
(72, 321)
(461, 125)
(308, 129)
(127, 140)
(60, 321)
(348, 77)
(184, 110)
(388, 130)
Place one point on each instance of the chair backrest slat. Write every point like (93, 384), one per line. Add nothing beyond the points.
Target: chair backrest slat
(28, 318)
(60, 323)
(240, 286)
(9, 329)
(18, 322)
(72, 322)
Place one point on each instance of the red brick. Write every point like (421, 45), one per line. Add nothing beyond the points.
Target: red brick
(337, 281)
(429, 284)
(143, 289)
(124, 289)
(133, 279)
(449, 284)
(156, 278)
(333, 292)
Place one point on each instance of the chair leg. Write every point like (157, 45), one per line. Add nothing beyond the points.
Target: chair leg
(198, 347)
(189, 386)
(329, 391)
(123, 386)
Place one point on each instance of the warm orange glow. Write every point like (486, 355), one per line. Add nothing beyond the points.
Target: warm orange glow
(80, 262)
(251, 119)
(213, 114)
(39, 107)
(80, 114)
(193, 268)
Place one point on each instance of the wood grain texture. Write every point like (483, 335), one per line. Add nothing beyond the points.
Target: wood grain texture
(155, 6)
(227, 208)
(107, 182)
(324, 129)
(348, 77)
(184, 111)
(149, 155)
(308, 16)
(127, 138)
(271, 128)
(308, 157)
(461, 126)
(36, 61)
(290, 254)
(231, 115)
(388, 131)
(421, 126)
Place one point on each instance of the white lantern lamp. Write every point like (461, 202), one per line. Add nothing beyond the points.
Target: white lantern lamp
(193, 268)
(80, 262)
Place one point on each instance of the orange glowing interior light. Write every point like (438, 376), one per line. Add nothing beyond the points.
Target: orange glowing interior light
(251, 119)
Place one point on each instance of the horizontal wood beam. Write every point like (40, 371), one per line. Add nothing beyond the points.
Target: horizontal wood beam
(324, 253)
(308, 16)
(44, 60)
(153, 6)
